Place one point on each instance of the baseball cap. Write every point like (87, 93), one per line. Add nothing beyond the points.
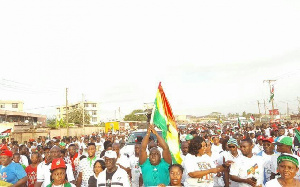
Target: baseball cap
(58, 163)
(6, 153)
(62, 143)
(189, 137)
(260, 137)
(268, 139)
(3, 147)
(233, 141)
(284, 140)
(110, 154)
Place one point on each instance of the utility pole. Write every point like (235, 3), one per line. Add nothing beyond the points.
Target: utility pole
(258, 107)
(287, 109)
(83, 114)
(298, 105)
(265, 107)
(119, 113)
(67, 111)
(270, 81)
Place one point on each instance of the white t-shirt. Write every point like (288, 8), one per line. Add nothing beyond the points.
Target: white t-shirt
(273, 183)
(124, 161)
(245, 167)
(193, 163)
(120, 178)
(43, 173)
(24, 160)
(135, 170)
(86, 166)
(99, 148)
(216, 149)
(256, 149)
(229, 157)
(267, 165)
(218, 181)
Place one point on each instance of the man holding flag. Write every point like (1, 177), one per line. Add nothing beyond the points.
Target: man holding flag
(155, 169)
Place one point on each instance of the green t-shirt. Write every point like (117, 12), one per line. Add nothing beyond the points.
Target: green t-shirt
(155, 175)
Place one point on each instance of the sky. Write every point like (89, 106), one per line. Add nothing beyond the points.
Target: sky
(211, 56)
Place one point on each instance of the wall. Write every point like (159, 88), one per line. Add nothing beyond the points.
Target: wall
(25, 136)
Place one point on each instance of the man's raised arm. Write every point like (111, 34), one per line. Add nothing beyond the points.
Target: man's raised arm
(143, 152)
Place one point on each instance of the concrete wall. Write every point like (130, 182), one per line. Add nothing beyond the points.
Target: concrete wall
(25, 136)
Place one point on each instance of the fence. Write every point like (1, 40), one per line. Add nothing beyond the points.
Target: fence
(77, 131)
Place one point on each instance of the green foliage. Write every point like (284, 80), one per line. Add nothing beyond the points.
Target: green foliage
(102, 124)
(244, 114)
(133, 117)
(75, 116)
(51, 123)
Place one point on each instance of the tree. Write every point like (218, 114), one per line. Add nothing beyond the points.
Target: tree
(244, 114)
(75, 116)
(133, 117)
(51, 123)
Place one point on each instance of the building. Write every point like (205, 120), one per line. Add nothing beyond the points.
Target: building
(21, 122)
(91, 108)
(16, 106)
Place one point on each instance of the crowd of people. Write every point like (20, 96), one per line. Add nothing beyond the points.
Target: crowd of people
(212, 155)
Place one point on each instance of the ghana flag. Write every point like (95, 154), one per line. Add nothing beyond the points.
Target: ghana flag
(163, 118)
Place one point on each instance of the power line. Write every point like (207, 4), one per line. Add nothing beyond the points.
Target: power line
(25, 87)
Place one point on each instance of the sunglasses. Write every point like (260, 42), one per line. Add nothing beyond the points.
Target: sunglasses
(231, 146)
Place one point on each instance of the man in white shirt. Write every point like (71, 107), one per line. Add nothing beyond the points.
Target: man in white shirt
(248, 170)
(135, 167)
(184, 149)
(24, 159)
(266, 156)
(258, 145)
(122, 160)
(216, 147)
(112, 175)
(86, 166)
(99, 146)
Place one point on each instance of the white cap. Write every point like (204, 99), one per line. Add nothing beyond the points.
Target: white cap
(110, 154)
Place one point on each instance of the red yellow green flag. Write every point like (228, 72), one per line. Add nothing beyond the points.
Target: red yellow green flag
(163, 118)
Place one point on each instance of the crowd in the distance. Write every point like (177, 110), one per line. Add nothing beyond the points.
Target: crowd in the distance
(213, 155)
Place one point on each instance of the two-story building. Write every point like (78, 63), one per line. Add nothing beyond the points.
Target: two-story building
(91, 108)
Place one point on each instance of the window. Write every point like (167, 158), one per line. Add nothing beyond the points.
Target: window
(94, 105)
(2, 105)
(15, 105)
(86, 105)
(94, 119)
(94, 112)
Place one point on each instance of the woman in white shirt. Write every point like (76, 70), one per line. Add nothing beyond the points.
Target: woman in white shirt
(288, 167)
(199, 167)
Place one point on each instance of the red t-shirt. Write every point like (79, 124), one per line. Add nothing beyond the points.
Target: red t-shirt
(31, 174)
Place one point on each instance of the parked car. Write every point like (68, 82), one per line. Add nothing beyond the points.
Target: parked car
(129, 147)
